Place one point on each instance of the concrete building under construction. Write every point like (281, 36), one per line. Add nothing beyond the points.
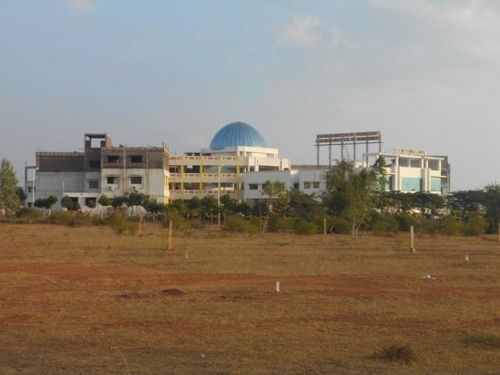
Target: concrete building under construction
(101, 169)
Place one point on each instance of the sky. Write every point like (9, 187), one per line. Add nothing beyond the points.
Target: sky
(426, 73)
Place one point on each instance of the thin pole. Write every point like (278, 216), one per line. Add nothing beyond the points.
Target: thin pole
(330, 155)
(170, 230)
(498, 232)
(324, 227)
(412, 239)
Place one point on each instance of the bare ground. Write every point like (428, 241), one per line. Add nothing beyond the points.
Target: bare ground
(83, 300)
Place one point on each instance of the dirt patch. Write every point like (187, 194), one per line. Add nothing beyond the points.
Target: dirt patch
(172, 292)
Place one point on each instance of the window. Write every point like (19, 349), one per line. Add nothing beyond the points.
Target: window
(112, 180)
(307, 185)
(113, 158)
(136, 158)
(316, 185)
(94, 164)
(253, 186)
(434, 165)
(296, 185)
(136, 180)
(436, 184)
(409, 184)
(93, 184)
(30, 189)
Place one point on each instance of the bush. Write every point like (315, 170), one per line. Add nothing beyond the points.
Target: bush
(29, 215)
(451, 225)
(385, 224)
(120, 224)
(305, 227)
(406, 220)
(71, 218)
(341, 225)
(395, 353)
(475, 226)
(482, 340)
(179, 223)
(237, 223)
(280, 224)
(430, 225)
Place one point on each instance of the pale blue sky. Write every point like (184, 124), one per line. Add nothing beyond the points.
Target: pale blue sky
(426, 73)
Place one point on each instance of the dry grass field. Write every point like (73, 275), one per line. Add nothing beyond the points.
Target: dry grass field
(84, 301)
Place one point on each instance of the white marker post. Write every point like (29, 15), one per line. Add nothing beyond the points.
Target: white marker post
(412, 239)
(277, 286)
(169, 238)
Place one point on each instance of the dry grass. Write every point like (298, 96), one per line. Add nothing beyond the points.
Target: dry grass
(83, 300)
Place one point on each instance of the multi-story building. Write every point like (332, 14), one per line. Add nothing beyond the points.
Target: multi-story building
(237, 163)
(413, 170)
(236, 150)
(101, 169)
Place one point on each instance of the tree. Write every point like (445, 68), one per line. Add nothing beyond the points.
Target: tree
(22, 195)
(9, 198)
(304, 206)
(275, 194)
(104, 200)
(46, 203)
(69, 203)
(208, 206)
(350, 194)
(491, 202)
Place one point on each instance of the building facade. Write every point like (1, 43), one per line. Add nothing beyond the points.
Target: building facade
(101, 169)
(237, 163)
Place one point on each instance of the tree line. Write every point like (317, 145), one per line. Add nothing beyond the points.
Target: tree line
(354, 200)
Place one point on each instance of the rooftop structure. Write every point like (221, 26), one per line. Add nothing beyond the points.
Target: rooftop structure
(237, 134)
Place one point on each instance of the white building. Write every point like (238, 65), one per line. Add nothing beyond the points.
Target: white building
(236, 150)
(413, 170)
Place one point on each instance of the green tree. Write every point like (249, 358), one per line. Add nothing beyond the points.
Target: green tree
(304, 206)
(9, 198)
(69, 203)
(104, 200)
(275, 195)
(350, 194)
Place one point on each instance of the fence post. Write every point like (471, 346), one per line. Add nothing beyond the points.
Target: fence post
(412, 239)
(169, 239)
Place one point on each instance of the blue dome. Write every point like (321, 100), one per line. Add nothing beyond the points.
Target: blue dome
(237, 134)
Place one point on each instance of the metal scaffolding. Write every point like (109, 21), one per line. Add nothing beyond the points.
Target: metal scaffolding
(347, 139)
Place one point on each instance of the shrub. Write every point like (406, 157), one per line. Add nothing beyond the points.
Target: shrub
(120, 224)
(179, 223)
(430, 225)
(385, 224)
(237, 223)
(406, 220)
(29, 215)
(450, 225)
(475, 226)
(341, 225)
(279, 224)
(395, 353)
(482, 340)
(305, 227)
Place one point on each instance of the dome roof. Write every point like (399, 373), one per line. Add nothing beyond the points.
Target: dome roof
(237, 134)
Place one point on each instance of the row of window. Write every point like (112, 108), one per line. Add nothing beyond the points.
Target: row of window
(115, 159)
(115, 180)
(305, 185)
